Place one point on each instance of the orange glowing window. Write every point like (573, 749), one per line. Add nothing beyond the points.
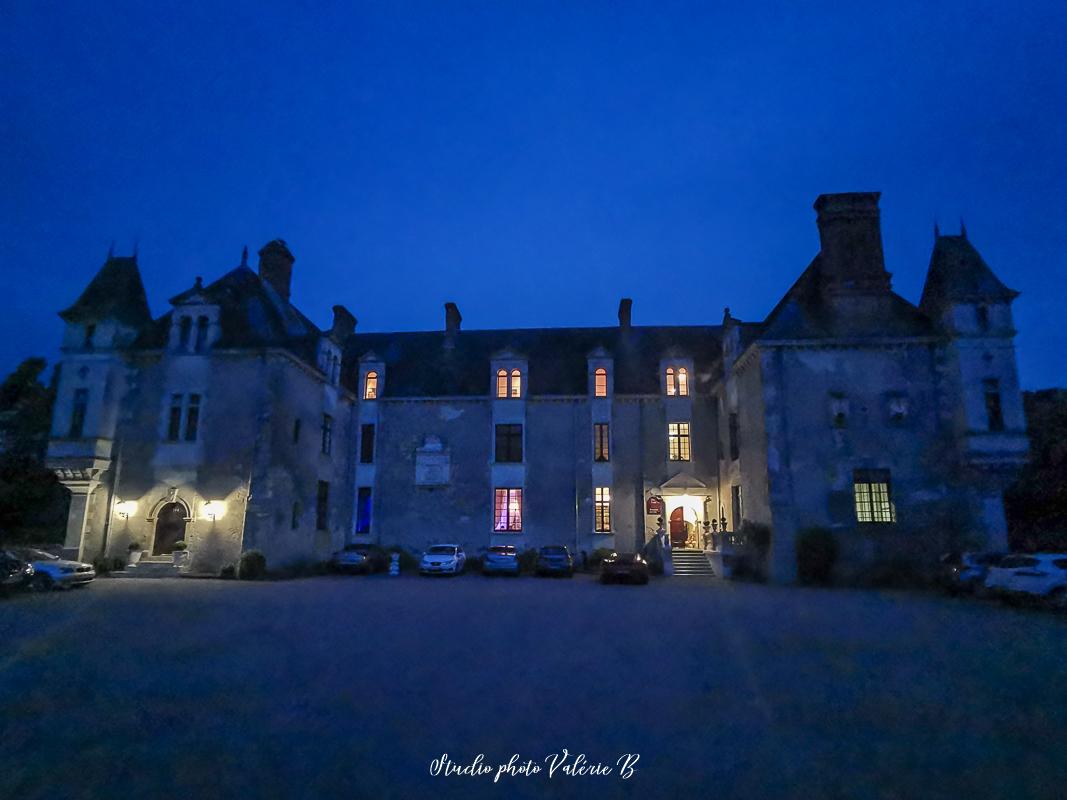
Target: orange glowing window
(370, 386)
(672, 387)
(683, 382)
(516, 383)
(501, 383)
(600, 382)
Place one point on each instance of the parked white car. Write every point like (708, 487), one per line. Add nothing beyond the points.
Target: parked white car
(1042, 575)
(443, 559)
(53, 572)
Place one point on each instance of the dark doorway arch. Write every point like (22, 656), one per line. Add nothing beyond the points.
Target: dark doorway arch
(170, 528)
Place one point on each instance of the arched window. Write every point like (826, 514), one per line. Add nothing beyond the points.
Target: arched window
(184, 327)
(516, 383)
(201, 334)
(600, 382)
(501, 383)
(370, 386)
(672, 387)
(683, 382)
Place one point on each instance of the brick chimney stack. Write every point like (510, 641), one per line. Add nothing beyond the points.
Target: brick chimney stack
(850, 234)
(276, 266)
(344, 324)
(452, 318)
(625, 307)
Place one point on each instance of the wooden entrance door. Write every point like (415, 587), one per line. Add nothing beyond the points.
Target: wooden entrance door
(170, 528)
(679, 529)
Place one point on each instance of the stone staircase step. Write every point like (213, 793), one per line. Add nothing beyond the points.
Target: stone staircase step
(691, 563)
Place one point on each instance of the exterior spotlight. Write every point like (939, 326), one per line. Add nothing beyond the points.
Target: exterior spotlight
(214, 509)
(126, 508)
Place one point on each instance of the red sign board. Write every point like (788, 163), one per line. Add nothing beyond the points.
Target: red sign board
(654, 505)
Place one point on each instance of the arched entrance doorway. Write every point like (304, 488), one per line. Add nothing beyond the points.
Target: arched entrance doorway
(170, 528)
(679, 528)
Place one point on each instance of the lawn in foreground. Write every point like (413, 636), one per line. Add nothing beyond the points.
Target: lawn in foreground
(353, 686)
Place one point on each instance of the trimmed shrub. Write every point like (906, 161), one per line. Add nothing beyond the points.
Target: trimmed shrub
(817, 550)
(180, 545)
(102, 565)
(118, 564)
(528, 560)
(133, 546)
(228, 572)
(252, 566)
(474, 563)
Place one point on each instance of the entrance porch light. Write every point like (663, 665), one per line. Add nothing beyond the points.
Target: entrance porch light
(126, 508)
(214, 509)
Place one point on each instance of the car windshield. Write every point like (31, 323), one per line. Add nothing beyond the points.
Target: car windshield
(503, 550)
(33, 554)
(441, 550)
(554, 550)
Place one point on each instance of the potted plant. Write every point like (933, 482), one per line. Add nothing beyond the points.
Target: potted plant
(133, 554)
(180, 553)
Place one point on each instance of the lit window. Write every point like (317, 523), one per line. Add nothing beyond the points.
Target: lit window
(672, 386)
(77, 414)
(370, 386)
(871, 491)
(601, 442)
(602, 506)
(516, 383)
(678, 441)
(683, 382)
(501, 383)
(507, 510)
(363, 509)
(600, 382)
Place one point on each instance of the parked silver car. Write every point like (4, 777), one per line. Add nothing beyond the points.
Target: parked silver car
(52, 572)
(1041, 576)
(443, 559)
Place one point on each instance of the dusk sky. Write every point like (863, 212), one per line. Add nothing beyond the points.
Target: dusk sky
(532, 162)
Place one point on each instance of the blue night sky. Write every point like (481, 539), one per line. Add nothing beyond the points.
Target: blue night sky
(532, 162)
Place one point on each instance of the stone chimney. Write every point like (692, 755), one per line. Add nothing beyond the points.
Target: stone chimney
(625, 307)
(850, 235)
(276, 266)
(452, 319)
(344, 324)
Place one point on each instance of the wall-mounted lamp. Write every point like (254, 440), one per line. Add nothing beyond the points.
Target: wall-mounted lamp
(126, 508)
(214, 509)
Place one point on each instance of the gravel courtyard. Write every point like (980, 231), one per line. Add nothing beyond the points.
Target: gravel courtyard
(351, 687)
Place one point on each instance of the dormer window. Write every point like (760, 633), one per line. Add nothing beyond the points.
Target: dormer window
(185, 326)
(370, 386)
(600, 382)
(201, 334)
(677, 382)
(508, 384)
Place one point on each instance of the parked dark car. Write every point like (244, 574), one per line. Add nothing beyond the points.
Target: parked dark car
(628, 567)
(964, 573)
(14, 572)
(555, 559)
(362, 558)
(501, 559)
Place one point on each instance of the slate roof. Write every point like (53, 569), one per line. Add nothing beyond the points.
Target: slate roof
(251, 314)
(433, 364)
(959, 273)
(115, 292)
(804, 313)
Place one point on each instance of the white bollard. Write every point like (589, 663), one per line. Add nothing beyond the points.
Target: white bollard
(394, 564)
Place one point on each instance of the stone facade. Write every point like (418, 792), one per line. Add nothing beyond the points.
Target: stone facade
(848, 407)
